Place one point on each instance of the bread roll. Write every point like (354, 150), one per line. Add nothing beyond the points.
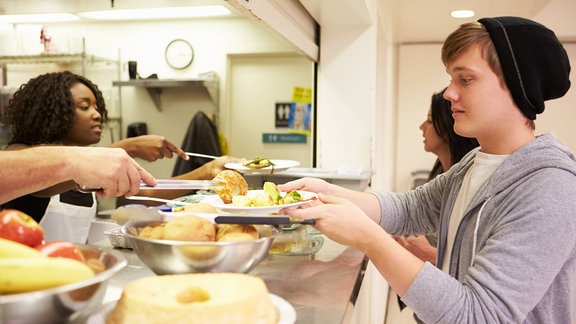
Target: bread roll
(200, 207)
(232, 184)
(190, 228)
(153, 232)
(236, 232)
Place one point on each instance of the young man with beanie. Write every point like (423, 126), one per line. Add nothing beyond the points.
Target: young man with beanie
(505, 214)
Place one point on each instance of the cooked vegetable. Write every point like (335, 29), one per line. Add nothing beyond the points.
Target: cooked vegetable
(292, 197)
(262, 199)
(272, 191)
(242, 201)
(270, 196)
(258, 163)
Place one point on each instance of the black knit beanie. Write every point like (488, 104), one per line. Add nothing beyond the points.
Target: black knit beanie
(534, 62)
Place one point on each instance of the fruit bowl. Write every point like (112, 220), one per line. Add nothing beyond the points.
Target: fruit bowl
(175, 257)
(67, 303)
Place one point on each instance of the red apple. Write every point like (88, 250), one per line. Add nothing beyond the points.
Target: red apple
(62, 249)
(18, 226)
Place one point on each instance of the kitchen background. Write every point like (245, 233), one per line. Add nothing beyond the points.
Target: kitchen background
(373, 65)
(372, 77)
(220, 45)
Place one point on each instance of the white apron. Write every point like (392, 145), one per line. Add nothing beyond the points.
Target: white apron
(68, 222)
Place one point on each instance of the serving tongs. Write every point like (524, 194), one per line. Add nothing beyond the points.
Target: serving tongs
(246, 219)
(167, 184)
(261, 220)
(172, 184)
(207, 156)
(166, 201)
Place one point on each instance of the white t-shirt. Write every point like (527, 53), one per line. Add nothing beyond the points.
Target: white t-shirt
(483, 167)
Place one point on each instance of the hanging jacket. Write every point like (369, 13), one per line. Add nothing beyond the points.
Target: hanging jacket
(201, 137)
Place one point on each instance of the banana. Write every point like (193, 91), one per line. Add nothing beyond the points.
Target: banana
(29, 274)
(10, 249)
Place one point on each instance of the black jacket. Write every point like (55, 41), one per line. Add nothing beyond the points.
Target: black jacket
(201, 137)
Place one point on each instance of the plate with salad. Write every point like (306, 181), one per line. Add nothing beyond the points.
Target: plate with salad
(266, 201)
(262, 165)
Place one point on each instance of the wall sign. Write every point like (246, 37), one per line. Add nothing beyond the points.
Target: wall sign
(283, 138)
(282, 113)
(301, 94)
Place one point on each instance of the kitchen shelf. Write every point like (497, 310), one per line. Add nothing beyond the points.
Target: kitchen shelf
(64, 61)
(60, 59)
(155, 87)
(53, 58)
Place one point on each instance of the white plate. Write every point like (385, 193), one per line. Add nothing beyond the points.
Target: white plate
(280, 165)
(286, 311)
(230, 208)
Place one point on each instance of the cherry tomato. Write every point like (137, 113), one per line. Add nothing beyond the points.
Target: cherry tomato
(62, 249)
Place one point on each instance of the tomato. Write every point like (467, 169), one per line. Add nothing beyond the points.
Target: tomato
(62, 249)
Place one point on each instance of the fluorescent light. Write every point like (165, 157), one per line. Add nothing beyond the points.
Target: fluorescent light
(462, 13)
(157, 13)
(38, 18)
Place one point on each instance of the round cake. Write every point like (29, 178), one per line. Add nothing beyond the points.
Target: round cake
(195, 298)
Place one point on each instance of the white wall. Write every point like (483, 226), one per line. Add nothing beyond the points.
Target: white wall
(421, 73)
(346, 97)
(560, 114)
(356, 96)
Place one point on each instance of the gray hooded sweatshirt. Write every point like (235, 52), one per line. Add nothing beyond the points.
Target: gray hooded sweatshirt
(514, 255)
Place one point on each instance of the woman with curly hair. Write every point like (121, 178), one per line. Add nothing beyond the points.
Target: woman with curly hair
(63, 108)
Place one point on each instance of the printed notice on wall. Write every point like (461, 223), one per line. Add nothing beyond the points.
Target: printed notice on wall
(300, 110)
(303, 95)
(299, 117)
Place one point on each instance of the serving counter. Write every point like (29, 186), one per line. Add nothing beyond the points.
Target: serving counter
(322, 287)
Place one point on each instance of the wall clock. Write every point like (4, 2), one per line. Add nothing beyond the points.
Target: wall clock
(179, 54)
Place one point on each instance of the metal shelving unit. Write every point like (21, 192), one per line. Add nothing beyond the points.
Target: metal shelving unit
(63, 60)
(67, 59)
(155, 87)
(60, 59)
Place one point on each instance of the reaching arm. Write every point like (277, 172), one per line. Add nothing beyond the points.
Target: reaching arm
(32, 169)
(419, 246)
(48, 191)
(149, 147)
(366, 201)
(345, 222)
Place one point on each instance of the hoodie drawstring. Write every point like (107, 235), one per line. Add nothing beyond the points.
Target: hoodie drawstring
(476, 230)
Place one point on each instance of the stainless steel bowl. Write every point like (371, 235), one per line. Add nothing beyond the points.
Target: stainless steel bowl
(68, 303)
(174, 257)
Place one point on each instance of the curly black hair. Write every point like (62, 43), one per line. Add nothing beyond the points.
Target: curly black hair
(42, 111)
